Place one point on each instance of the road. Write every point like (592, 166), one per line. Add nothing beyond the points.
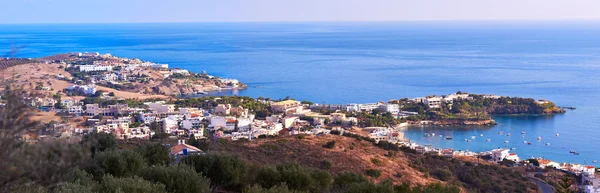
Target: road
(545, 187)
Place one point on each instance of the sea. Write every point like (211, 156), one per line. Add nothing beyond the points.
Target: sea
(365, 62)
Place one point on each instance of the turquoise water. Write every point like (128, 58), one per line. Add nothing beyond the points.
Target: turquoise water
(370, 62)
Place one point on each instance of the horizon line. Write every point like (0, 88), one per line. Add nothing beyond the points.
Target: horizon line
(317, 21)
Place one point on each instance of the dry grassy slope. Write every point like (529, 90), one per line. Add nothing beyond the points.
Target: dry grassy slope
(309, 152)
(27, 76)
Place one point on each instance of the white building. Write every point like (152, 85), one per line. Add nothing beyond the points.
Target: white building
(75, 110)
(85, 89)
(161, 108)
(390, 108)
(92, 68)
(499, 154)
(434, 102)
(170, 124)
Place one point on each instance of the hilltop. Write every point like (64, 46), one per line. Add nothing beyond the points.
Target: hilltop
(351, 154)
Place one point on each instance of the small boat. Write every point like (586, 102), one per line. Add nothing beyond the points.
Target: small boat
(576, 153)
(539, 138)
(508, 134)
(427, 134)
(472, 137)
(513, 148)
(594, 161)
(501, 132)
(523, 133)
(481, 135)
(522, 136)
(433, 134)
(528, 143)
(448, 137)
(572, 151)
(468, 141)
(547, 144)
(524, 141)
(505, 141)
(556, 134)
(465, 139)
(488, 140)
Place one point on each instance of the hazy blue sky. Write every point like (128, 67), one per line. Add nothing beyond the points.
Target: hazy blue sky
(94, 11)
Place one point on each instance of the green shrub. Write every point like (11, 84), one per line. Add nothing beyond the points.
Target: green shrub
(329, 145)
(373, 173)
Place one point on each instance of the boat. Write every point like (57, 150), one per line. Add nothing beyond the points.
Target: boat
(501, 132)
(576, 153)
(472, 137)
(528, 143)
(513, 148)
(465, 139)
(556, 134)
(594, 161)
(488, 140)
(547, 144)
(505, 141)
(523, 133)
(508, 134)
(468, 141)
(427, 134)
(572, 151)
(524, 141)
(539, 138)
(448, 137)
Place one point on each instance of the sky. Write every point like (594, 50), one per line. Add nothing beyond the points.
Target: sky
(137, 11)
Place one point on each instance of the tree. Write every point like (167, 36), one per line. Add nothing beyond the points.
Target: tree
(564, 185)
(177, 179)
(119, 163)
(223, 170)
(282, 188)
(98, 142)
(111, 184)
(155, 154)
(329, 145)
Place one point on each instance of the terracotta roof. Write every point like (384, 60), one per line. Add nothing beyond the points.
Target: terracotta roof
(590, 167)
(178, 148)
(543, 161)
(195, 115)
(230, 121)
(513, 153)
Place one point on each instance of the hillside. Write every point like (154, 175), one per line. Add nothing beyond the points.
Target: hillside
(354, 155)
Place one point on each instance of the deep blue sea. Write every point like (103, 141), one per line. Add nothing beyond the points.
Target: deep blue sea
(370, 62)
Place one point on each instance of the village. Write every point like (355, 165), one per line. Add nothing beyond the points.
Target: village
(85, 109)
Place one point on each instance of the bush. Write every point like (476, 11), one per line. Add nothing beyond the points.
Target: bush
(155, 154)
(376, 161)
(326, 164)
(177, 179)
(329, 145)
(373, 173)
(275, 189)
(119, 163)
(295, 177)
(225, 171)
(130, 185)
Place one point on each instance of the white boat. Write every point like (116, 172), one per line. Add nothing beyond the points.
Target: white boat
(501, 132)
(539, 138)
(524, 141)
(523, 133)
(508, 134)
(505, 141)
(465, 139)
(488, 140)
(547, 144)
(472, 137)
(481, 135)
(513, 148)
(594, 161)
(556, 134)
